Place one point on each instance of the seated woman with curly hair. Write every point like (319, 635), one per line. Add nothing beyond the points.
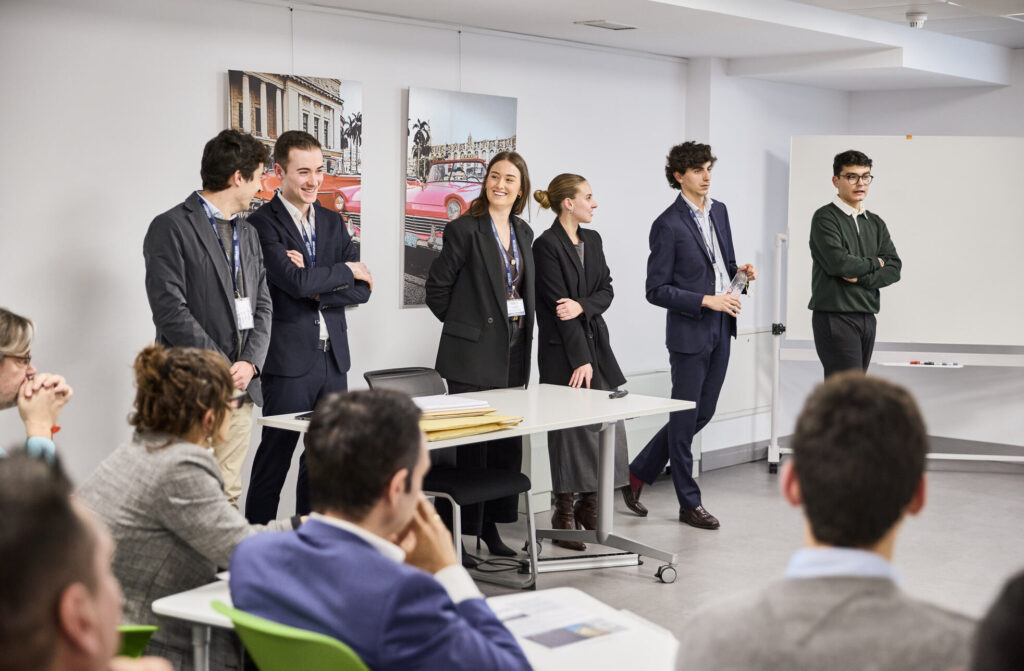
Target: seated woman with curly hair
(162, 495)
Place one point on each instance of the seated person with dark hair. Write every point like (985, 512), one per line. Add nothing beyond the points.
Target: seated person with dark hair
(858, 469)
(39, 396)
(374, 567)
(999, 642)
(59, 602)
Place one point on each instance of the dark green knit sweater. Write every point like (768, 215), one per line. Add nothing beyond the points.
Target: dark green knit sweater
(842, 248)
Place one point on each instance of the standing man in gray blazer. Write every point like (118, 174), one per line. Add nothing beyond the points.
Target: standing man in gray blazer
(858, 471)
(206, 283)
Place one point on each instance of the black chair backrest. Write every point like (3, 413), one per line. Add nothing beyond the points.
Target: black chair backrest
(413, 381)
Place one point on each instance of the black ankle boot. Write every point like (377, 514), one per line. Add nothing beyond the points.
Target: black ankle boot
(489, 535)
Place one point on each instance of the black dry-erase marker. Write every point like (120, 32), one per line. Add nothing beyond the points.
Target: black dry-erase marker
(618, 393)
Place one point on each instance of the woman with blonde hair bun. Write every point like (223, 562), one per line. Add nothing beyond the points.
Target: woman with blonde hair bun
(161, 494)
(574, 288)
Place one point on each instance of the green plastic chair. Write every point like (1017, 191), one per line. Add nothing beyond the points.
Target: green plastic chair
(134, 638)
(278, 647)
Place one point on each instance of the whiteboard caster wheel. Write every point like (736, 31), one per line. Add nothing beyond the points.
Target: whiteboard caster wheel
(666, 574)
(540, 547)
(773, 468)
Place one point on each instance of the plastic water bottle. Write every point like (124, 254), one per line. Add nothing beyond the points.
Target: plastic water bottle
(739, 283)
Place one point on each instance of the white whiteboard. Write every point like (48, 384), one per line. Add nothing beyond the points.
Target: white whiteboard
(955, 209)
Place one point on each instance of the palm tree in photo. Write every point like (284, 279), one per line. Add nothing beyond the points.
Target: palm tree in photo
(421, 146)
(356, 124)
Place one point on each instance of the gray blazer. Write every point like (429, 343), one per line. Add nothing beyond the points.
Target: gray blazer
(834, 623)
(188, 283)
(173, 528)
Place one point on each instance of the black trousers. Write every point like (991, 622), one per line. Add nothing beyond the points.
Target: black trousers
(844, 340)
(282, 395)
(504, 454)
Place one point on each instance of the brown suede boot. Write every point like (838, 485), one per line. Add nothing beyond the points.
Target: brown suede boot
(562, 518)
(585, 510)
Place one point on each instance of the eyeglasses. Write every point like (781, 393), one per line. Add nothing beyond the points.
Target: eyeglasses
(26, 360)
(853, 179)
(236, 401)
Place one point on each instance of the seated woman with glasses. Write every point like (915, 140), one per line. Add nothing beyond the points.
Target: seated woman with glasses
(162, 496)
(39, 396)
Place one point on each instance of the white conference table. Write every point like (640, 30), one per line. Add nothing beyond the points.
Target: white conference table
(548, 407)
(631, 638)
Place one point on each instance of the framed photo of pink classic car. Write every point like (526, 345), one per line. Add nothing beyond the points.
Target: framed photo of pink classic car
(267, 104)
(451, 137)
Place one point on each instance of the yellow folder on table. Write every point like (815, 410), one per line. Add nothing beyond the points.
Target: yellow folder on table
(457, 427)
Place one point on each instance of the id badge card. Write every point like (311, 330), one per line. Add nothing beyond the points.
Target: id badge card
(243, 314)
(516, 307)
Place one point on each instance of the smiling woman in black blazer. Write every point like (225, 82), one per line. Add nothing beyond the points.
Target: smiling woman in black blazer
(574, 288)
(481, 288)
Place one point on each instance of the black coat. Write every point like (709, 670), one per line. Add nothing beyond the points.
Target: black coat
(564, 346)
(466, 291)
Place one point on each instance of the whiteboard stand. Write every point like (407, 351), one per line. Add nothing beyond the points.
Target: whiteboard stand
(778, 328)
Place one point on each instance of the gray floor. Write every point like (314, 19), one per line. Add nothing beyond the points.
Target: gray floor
(956, 553)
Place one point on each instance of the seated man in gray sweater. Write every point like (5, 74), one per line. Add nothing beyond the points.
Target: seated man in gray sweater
(857, 471)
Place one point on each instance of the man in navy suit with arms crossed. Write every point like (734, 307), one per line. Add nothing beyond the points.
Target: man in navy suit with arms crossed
(374, 566)
(689, 271)
(313, 270)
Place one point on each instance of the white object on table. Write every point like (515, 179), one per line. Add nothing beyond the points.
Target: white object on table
(444, 403)
(549, 407)
(630, 637)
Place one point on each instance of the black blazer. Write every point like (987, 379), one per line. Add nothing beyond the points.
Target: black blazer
(466, 291)
(295, 329)
(680, 274)
(564, 346)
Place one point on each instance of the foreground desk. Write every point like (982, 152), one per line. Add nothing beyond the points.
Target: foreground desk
(580, 631)
(548, 407)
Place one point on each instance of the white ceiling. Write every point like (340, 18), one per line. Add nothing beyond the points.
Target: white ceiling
(814, 42)
(982, 20)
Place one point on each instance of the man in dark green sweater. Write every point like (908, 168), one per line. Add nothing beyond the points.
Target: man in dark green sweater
(853, 257)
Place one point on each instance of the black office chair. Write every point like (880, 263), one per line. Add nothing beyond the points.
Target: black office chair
(460, 486)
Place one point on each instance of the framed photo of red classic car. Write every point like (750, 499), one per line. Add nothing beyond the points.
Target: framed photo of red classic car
(267, 104)
(451, 137)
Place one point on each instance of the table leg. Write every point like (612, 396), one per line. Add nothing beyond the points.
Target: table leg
(201, 647)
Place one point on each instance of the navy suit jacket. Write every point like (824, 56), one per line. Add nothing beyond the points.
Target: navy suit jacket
(680, 274)
(295, 329)
(325, 579)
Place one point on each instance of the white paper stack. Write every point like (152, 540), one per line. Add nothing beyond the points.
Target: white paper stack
(445, 403)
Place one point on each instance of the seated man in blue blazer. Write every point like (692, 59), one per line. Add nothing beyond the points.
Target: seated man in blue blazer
(374, 566)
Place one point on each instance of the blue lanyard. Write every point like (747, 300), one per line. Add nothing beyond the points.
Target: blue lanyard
(234, 241)
(711, 225)
(310, 244)
(504, 256)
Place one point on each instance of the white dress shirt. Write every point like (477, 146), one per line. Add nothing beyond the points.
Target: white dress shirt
(707, 232)
(306, 228)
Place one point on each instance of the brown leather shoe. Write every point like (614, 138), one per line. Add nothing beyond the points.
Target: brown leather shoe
(585, 510)
(632, 498)
(698, 517)
(562, 518)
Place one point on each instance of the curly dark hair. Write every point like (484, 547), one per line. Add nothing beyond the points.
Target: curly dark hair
(849, 157)
(175, 388)
(684, 156)
(229, 151)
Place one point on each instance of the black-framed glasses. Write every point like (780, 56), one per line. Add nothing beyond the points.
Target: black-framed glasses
(236, 401)
(26, 360)
(853, 179)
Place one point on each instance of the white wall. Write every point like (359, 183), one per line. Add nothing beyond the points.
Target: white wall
(111, 102)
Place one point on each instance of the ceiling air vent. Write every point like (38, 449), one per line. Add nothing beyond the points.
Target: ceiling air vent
(607, 25)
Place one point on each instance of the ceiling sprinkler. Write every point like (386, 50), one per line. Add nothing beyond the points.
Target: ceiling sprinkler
(916, 19)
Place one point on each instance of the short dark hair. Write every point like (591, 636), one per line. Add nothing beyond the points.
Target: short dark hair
(858, 454)
(684, 156)
(293, 139)
(356, 443)
(480, 204)
(231, 150)
(849, 157)
(998, 644)
(45, 546)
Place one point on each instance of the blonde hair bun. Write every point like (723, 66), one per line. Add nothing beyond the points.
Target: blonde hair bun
(542, 197)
